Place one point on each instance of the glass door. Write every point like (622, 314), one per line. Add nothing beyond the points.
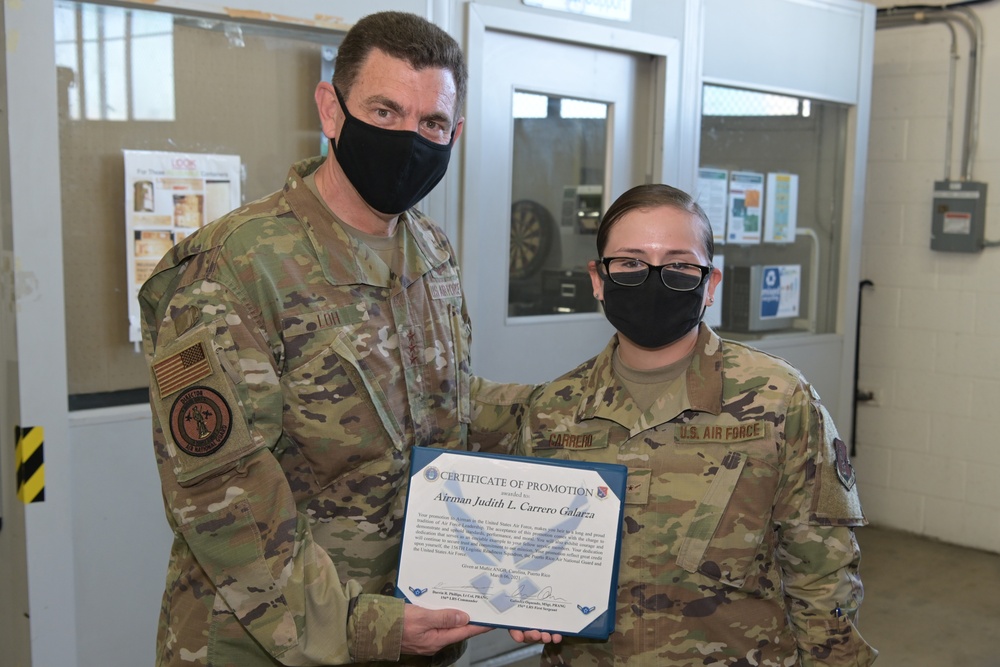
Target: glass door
(565, 138)
(558, 178)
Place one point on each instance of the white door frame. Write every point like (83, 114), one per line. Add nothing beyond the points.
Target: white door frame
(667, 166)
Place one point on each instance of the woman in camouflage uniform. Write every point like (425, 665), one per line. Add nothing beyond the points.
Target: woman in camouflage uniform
(737, 543)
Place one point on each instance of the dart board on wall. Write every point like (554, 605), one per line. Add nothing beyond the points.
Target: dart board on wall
(530, 238)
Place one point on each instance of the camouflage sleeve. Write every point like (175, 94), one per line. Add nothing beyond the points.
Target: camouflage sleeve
(217, 412)
(816, 511)
(498, 412)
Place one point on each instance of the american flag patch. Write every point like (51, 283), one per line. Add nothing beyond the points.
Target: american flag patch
(181, 369)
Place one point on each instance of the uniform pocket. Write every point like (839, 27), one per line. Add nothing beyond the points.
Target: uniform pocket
(331, 414)
(731, 521)
(239, 571)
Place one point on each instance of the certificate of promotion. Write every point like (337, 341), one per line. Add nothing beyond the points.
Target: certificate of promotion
(516, 542)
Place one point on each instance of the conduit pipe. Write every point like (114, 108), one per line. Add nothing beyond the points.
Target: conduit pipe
(904, 17)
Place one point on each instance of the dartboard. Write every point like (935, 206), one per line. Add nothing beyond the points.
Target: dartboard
(530, 238)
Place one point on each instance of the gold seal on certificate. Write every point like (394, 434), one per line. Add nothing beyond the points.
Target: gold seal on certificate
(515, 542)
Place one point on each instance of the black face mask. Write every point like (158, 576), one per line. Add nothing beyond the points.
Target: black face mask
(651, 314)
(391, 169)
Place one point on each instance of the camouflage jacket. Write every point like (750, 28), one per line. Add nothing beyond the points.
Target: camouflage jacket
(737, 546)
(291, 371)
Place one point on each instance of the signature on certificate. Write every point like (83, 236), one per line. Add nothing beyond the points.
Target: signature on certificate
(531, 593)
(525, 591)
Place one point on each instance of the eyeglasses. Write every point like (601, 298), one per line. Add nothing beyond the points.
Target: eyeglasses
(632, 272)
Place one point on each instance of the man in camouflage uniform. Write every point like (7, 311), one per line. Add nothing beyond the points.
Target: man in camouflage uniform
(299, 347)
(737, 542)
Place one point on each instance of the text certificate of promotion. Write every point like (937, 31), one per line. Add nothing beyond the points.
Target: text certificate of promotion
(516, 542)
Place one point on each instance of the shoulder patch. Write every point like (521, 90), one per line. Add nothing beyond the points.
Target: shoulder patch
(182, 369)
(845, 471)
(835, 498)
(200, 421)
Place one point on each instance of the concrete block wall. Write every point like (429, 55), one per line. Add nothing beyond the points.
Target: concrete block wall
(928, 446)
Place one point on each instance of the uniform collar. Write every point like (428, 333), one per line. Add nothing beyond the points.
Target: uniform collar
(704, 375)
(604, 397)
(346, 260)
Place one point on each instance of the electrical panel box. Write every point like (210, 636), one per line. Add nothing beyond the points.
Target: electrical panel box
(958, 222)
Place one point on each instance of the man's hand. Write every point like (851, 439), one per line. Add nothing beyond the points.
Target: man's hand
(534, 637)
(427, 631)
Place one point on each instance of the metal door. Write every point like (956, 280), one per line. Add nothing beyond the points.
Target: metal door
(566, 125)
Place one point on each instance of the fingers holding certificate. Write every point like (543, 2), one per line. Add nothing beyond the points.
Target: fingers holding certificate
(515, 542)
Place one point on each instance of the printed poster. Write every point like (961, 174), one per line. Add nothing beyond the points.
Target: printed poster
(167, 197)
(780, 291)
(781, 209)
(746, 200)
(713, 186)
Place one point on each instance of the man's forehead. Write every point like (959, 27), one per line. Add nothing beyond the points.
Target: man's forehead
(384, 78)
(378, 59)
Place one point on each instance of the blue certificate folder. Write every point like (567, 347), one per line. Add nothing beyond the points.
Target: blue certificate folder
(485, 553)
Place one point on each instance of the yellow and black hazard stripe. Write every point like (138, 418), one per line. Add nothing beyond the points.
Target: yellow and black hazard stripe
(30, 455)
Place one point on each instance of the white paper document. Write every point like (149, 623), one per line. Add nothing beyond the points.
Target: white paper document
(515, 542)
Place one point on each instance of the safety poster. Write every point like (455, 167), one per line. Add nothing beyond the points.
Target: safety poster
(167, 197)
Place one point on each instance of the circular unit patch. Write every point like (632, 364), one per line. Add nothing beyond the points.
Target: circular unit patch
(200, 421)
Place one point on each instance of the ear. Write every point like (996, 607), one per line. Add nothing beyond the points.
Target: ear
(714, 278)
(596, 280)
(459, 125)
(331, 116)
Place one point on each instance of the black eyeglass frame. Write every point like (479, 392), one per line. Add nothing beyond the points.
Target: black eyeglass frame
(705, 271)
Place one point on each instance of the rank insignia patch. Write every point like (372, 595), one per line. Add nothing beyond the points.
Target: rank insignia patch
(845, 471)
(181, 369)
(200, 421)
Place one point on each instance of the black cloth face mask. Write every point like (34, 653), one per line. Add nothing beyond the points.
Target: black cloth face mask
(391, 169)
(651, 314)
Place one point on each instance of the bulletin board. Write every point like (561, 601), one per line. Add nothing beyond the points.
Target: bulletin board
(238, 89)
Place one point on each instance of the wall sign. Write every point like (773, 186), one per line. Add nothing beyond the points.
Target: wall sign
(167, 197)
(617, 10)
(781, 287)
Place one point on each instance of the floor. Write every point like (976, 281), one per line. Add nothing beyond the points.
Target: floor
(927, 604)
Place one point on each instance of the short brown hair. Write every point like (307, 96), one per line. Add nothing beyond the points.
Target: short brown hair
(654, 195)
(404, 36)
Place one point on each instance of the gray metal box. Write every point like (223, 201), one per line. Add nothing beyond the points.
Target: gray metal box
(741, 301)
(958, 222)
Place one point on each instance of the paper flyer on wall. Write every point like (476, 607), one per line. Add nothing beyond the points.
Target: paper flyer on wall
(167, 197)
(713, 186)
(780, 291)
(746, 199)
(781, 208)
